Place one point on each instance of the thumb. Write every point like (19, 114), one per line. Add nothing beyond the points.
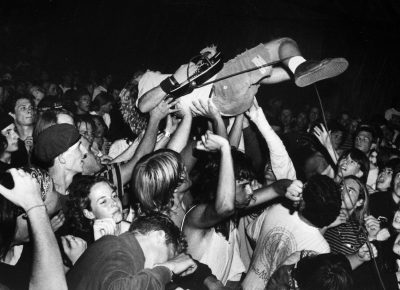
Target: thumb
(65, 243)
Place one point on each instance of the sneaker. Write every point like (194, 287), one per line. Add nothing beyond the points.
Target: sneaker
(310, 71)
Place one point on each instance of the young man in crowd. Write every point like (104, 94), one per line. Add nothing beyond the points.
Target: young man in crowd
(23, 111)
(279, 232)
(145, 257)
(60, 150)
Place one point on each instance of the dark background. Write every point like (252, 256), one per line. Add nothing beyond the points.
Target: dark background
(124, 36)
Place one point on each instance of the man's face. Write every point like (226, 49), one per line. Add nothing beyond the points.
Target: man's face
(384, 179)
(74, 157)
(84, 103)
(52, 91)
(336, 138)
(363, 141)
(12, 138)
(91, 163)
(347, 166)
(244, 193)
(24, 112)
(314, 114)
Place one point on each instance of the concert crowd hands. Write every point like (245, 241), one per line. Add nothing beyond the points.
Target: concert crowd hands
(73, 247)
(163, 109)
(57, 221)
(206, 109)
(364, 254)
(182, 265)
(294, 191)
(212, 142)
(373, 226)
(102, 227)
(26, 192)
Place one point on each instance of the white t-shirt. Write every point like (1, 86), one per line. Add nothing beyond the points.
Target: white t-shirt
(277, 235)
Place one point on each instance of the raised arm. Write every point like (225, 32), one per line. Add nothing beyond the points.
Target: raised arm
(235, 134)
(148, 141)
(181, 135)
(149, 100)
(47, 269)
(291, 189)
(204, 216)
(281, 163)
(208, 110)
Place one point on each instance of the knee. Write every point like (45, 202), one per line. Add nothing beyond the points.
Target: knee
(279, 42)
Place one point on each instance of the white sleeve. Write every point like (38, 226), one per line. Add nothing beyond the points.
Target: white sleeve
(281, 163)
(148, 81)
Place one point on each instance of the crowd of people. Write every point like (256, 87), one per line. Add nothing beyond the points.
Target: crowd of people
(104, 186)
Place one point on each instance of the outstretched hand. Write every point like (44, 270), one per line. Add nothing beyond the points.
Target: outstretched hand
(255, 111)
(322, 135)
(164, 108)
(206, 109)
(364, 254)
(26, 192)
(211, 142)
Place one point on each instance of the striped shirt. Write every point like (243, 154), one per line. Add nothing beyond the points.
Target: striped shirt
(345, 238)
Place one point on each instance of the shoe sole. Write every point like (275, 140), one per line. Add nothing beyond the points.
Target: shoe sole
(332, 68)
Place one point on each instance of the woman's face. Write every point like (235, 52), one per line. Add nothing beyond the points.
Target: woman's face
(104, 202)
(351, 195)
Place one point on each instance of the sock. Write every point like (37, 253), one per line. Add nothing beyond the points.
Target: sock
(294, 62)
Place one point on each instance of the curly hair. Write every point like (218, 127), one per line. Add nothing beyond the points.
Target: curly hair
(321, 200)
(79, 191)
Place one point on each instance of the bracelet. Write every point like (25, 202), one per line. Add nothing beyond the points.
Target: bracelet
(169, 84)
(35, 206)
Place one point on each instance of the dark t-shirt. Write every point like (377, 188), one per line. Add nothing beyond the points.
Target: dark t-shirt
(20, 158)
(116, 263)
(383, 207)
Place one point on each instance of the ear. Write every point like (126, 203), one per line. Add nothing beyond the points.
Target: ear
(12, 115)
(88, 214)
(159, 237)
(61, 159)
(360, 174)
(76, 103)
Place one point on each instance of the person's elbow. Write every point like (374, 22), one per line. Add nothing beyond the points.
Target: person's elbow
(226, 210)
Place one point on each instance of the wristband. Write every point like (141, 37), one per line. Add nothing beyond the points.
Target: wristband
(169, 84)
(35, 206)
